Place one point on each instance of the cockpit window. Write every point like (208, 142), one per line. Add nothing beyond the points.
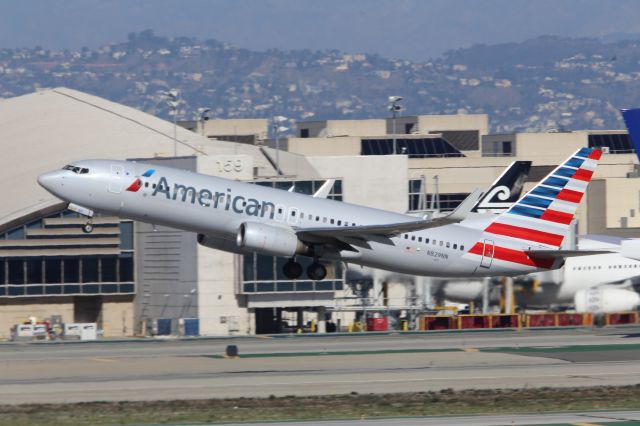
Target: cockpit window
(76, 169)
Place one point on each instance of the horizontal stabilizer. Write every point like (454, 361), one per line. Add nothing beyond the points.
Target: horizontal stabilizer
(631, 248)
(561, 254)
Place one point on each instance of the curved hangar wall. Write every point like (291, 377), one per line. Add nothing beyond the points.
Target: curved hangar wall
(47, 266)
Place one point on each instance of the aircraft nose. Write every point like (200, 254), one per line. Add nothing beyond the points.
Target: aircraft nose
(48, 180)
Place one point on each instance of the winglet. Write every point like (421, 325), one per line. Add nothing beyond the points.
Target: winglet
(325, 189)
(462, 211)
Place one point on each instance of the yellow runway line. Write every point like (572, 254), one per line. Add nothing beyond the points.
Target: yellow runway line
(103, 360)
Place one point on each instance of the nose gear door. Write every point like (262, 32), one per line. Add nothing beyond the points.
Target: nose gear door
(115, 180)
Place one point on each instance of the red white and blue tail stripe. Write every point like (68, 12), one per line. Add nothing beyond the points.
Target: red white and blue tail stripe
(542, 217)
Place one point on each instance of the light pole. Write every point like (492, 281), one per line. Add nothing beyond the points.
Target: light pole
(395, 108)
(173, 99)
(203, 117)
(277, 129)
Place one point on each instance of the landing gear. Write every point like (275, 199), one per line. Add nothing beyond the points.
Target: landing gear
(316, 271)
(87, 228)
(292, 269)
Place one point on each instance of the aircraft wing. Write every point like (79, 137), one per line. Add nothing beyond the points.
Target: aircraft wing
(561, 254)
(391, 229)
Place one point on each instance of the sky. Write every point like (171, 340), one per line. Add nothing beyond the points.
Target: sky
(406, 29)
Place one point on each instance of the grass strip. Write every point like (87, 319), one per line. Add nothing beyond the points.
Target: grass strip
(505, 349)
(352, 406)
(340, 353)
(573, 348)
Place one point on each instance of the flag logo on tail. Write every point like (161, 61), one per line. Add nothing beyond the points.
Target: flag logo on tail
(542, 216)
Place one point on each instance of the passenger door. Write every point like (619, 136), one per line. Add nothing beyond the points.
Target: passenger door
(115, 180)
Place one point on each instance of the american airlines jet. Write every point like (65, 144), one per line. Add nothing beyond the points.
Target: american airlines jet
(243, 218)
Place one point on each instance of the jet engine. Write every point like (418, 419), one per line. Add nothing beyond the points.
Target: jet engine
(220, 244)
(267, 239)
(606, 300)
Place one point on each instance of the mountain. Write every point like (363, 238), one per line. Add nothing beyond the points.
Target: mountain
(547, 82)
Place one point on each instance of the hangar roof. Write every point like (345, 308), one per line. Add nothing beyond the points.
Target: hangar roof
(45, 130)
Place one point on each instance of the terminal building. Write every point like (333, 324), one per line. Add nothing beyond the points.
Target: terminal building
(126, 275)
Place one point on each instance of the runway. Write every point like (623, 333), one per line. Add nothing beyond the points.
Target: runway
(587, 418)
(117, 371)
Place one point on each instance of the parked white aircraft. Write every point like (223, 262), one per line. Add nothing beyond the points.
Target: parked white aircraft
(598, 283)
(240, 217)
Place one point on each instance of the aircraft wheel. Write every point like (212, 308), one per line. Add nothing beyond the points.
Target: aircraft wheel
(87, 228)
(292, 269)
(316, 271)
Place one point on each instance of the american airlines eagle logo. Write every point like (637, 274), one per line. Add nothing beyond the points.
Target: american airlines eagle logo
(137, 184)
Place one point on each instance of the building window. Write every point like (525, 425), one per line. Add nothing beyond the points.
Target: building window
(614, 143)
(262, 273)
(408, 128)
(16, 271)
(304, 133)
(90, 271)
(419, 201)
(71, 270)
(413, 147)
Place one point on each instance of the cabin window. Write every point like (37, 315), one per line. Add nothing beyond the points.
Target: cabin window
(406, 236)
(293, 213)
(324, 220)
(339, 223)
(455, 246)
(419, 239)
(462, 248)
(426, 241)
(332, 221)
(441, 243)
(413, 238)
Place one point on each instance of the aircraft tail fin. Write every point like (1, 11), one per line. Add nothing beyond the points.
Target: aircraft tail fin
(542, 217)
(506, 190)
(632, 121)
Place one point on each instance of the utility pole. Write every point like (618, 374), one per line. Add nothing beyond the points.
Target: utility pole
(173, 99)
(277, 129)
(395, 108)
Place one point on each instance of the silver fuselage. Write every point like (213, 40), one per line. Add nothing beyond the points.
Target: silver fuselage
(217, 207)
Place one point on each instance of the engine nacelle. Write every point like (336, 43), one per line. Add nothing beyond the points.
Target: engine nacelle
(267, 239)
(220, 244)
(461, 291)
(606, 300)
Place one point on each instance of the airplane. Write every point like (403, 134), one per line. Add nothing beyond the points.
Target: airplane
(243, 218)
(506, 189)
(599, 283)
(498, 197)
